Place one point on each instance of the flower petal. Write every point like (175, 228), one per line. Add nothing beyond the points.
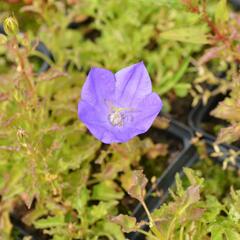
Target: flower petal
(99, 86)
(92, 114)
(139, 120)
(149, 108)
(132, 84)
(102, 134)
(95, 119)
(124, 135)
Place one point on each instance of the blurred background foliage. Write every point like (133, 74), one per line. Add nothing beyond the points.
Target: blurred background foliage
(63, 180)
(111, 35)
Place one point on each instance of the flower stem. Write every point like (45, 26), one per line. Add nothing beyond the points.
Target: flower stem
(147, 234)
(171, 226)
(148, 213)
(181, 233)
(152, 225)
(21, 62)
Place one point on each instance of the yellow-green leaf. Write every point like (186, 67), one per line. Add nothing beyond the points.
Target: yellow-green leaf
(221, 13)
(195, 34)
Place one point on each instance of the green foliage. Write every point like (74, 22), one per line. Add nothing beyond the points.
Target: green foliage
(222, 13)
(67, 179)
(72, 184)
(196, 34)
(222, 54)
(127, 223)
(196, 210)
(118, 35)
(48, 156)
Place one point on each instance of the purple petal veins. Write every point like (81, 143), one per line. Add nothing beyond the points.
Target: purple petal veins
(115, 108)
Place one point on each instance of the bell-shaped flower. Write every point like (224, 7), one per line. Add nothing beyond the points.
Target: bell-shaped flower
(117, 107)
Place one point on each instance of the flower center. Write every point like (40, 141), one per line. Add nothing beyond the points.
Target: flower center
(116, 118)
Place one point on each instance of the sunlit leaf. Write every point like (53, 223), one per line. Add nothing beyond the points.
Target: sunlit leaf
(197, 35)
(221, 12)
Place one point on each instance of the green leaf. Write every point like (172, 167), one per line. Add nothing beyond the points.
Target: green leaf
(195, 34)
(232, 234)
(168, 85)
(79, 201)
(222, 12)
(57, 237)
(179, 185)
(182, 89)
(193, 178)
(127, 223)
(100, 211)
(107, 230)
(217, 232)
(213, 208)
(106, 190)
(177, 4)
(50, 222)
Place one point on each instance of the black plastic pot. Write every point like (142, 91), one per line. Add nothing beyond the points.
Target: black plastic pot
(41, 47)
(235, 4)
(201, 113)
(20, 230)
(187, 159)
(181, 131)
(44, 50)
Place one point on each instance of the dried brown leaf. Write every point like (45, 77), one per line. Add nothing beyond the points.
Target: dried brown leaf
(229, 110)
(229, 134)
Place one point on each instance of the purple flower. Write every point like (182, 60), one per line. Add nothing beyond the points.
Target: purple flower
(115, 108)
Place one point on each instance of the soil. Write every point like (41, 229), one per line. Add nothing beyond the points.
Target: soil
(180, 107)
(212, 125)
(36, 63)
(20, 230)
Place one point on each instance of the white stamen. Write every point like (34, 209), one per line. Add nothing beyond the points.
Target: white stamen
(116, 118)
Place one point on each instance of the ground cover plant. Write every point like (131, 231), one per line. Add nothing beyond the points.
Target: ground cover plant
(69, 146)
(196, 210)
